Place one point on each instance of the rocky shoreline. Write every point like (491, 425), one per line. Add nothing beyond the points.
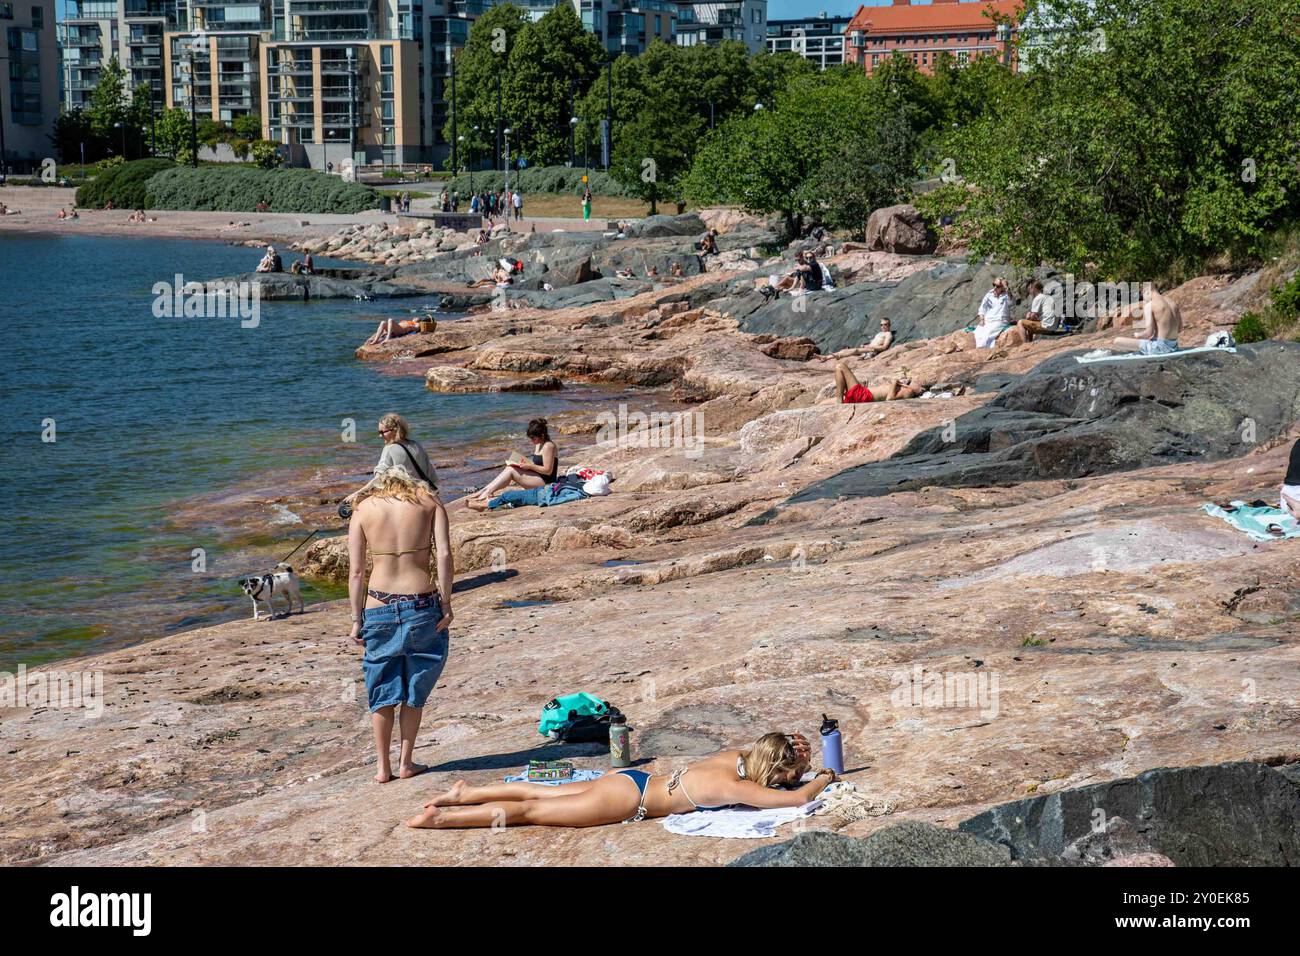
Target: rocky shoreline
(792, 558)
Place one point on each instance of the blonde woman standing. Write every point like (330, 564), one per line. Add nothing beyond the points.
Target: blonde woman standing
(400, 620)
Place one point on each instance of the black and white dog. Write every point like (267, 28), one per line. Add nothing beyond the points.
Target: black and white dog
(265, 587)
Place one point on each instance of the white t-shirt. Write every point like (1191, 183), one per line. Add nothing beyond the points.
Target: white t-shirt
(996, 309)
(519, 200)
(395, 454)
(1044, 306)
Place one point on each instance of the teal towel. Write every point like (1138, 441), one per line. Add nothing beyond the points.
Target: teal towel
(1255, 521)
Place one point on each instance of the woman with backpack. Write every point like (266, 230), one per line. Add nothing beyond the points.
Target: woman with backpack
(750, 777)
(399, 449)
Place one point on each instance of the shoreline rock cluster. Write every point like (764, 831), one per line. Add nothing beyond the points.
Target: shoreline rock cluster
(766, 569)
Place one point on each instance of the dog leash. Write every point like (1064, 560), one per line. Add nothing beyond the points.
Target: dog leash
(300, 544)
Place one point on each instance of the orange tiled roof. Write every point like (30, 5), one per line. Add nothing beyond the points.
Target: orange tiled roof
(939, 16)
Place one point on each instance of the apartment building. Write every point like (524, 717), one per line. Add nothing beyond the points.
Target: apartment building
(819, 39)
(29, 83)
(923, 31)
(712, 22)
(94, 31)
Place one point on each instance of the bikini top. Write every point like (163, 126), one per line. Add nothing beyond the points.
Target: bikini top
(399, 553)
(675, 781)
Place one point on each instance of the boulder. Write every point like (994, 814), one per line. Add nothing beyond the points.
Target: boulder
(899, 229)
(912, 843)
(791, 350)
(1066, 420)
(924, 304)
(654, 227)
(1231, 814)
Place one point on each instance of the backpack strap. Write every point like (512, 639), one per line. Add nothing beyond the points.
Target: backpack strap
(420, 471)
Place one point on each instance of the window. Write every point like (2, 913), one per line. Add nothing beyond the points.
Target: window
(386, 58)
(6, 11)
(38, 17)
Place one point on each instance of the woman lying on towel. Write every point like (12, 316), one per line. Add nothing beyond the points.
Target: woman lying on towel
(748, 777)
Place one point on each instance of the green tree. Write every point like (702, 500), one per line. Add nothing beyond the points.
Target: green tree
(480, 65)
(829, 148)
(547, 60)
(172, 131)
(248, 126)
(73, 130)
(1151, 135)
(110, 104)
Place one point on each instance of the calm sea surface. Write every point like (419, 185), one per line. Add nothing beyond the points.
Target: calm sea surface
(153, 415)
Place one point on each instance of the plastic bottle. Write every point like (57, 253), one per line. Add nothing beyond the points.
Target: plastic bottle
(832, 745)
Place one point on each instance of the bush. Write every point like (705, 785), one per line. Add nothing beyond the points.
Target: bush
(541, 179)
(1249, 328)
(124, 184)
(265, 153)
(240, 189)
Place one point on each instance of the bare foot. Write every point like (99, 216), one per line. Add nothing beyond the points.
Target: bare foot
(478, 504)
(455, 796)
(411, 770)
(383, 776)
(426, 820)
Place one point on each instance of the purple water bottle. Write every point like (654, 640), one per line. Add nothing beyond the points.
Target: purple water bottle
(832, 746)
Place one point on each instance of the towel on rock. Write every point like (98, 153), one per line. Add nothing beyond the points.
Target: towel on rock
(579, 776)
(737, 823)
(1255, 521)
(1137, 356)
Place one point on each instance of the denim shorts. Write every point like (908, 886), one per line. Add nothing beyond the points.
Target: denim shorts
(405, 652)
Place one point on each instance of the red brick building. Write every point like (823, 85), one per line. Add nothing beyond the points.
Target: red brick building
(964, 30)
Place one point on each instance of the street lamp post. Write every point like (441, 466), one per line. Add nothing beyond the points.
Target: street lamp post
(352, 116)
(471, 162)
(4, 161)
(505, 168)
(122, 126)
(192, 47)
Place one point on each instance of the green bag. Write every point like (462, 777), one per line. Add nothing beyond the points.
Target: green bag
(560, 712)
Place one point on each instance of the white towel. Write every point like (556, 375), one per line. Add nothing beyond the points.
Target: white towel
(1137, 356)
(737, 823)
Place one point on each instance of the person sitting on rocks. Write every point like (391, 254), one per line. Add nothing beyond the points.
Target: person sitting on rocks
(542, 467)
(568, 488)
(1163, 325)
(652, 272)
(308, 267)
(766, 775)
(271, 261)
(806, 276)
(1291, 483)
(392, 329)
(676, 270)
(708, 243)
(882, 341)
(1041, 319)
(625, 273)
(849, 391)
(500, 278)
(994, 315)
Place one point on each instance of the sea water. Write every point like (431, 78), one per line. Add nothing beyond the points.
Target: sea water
(150, 414)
